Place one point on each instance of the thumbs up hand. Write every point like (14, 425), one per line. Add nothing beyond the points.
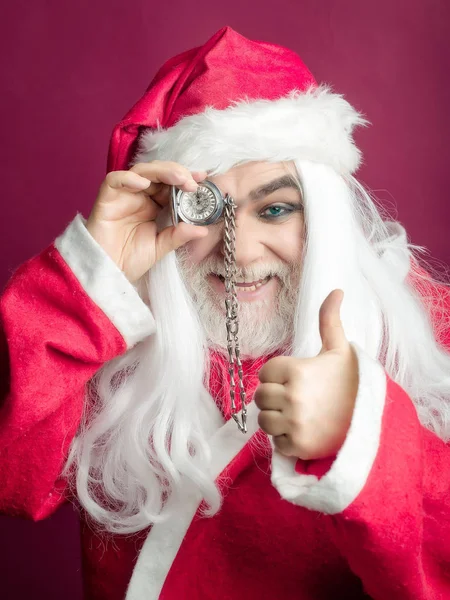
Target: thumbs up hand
(307, 404)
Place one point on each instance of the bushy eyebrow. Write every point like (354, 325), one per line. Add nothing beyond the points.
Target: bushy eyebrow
(285, 181)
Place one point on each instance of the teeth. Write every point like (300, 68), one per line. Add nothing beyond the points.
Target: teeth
(247, 288)
(241, 280)
(252, 288)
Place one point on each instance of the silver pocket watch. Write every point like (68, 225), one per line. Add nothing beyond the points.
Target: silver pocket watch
(203, 207)
(206, 206)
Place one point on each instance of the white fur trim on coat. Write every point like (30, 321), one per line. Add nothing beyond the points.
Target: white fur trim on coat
(105, 283)
(315, 125)
(342, 484)
(165, 538)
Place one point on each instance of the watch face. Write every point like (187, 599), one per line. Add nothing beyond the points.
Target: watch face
(199, 206)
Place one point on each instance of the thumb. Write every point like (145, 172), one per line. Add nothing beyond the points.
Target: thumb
(173, 237)
(330, 325)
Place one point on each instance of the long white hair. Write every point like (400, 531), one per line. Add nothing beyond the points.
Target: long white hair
(149, 414)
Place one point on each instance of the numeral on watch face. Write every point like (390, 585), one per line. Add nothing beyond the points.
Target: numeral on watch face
(199, 205)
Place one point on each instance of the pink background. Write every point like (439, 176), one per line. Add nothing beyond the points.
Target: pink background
(73, 69)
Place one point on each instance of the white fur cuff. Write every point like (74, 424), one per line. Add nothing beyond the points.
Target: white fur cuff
(105, 283)
(341, 485)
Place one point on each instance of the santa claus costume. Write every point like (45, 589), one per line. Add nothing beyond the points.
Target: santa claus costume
(109, 377)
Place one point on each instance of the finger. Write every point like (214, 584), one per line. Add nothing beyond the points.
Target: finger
(272, 422)
(277, 370)
(133, 182)
(330, 324)
(173, 237)
(270, 396)
(119, 180)
(199, 175)
(283, 443)
(163, 192)
(166, 173)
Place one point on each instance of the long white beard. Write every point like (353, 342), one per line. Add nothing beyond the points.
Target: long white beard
(264, 326)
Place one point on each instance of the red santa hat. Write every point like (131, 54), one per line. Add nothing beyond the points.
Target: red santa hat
(235, 100)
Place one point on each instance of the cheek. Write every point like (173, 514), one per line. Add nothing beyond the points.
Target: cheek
(199, 249)
(288, 240)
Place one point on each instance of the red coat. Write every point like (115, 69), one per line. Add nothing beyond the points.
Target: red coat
(371, 522)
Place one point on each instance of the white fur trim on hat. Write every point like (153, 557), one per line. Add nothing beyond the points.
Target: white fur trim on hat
(315, 124)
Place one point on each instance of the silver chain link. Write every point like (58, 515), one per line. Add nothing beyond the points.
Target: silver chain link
(232, 319)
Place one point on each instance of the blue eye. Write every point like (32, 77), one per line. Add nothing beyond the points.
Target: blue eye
(276, 210)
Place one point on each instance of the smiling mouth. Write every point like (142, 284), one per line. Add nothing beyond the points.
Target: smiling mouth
(248, 286)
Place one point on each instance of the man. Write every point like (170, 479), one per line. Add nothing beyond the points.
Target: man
(117, 388)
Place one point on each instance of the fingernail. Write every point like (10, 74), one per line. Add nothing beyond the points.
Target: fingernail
(191, 185)
(142, 182)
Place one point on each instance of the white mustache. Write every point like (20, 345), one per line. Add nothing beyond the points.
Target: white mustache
(264, 326)
(253, 273)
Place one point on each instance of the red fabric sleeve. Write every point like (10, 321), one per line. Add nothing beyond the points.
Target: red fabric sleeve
(396, 534)
(395, 530)
(53, 338)
(387, 491)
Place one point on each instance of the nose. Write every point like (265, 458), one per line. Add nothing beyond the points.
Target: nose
(248, 246)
